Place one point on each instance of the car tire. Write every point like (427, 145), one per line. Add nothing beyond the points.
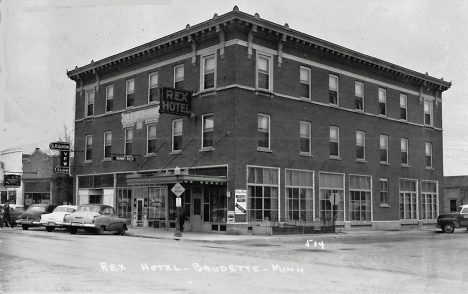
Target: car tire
(49, 229)
(449, 228)
(73, 231)
(100, 230)
(122, 232)
(25, 227)
(13, 225)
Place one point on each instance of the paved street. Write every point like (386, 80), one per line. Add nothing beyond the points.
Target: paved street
(36, 261)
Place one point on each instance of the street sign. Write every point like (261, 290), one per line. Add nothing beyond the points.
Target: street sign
(62, 170)
(178, 202)
(334, 198)
(64, 146)
(178, 189)
(124, 158)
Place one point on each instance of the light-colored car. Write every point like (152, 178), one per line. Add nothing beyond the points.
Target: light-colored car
(95, 218)
(56, 218)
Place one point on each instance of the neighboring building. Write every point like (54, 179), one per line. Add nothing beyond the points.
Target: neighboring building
(281, 123)
(455, 192)
(40, 182)
(12, 168)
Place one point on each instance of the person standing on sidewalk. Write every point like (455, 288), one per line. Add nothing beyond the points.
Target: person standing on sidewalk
(6, 215)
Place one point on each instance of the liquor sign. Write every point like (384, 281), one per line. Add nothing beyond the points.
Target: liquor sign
(175, 101)
(124, 158)
(240, 201)
(12, 181)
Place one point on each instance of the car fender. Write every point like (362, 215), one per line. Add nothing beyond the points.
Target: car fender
(455, 222)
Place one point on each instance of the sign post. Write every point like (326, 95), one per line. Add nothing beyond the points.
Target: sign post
(178, 190)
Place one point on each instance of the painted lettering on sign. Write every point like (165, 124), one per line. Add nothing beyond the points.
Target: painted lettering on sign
(175, 101)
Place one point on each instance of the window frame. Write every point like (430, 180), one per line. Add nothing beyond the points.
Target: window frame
(150, 87)
(404, 107)
(431, 113)
(429, 154)
(129, 94)
(89, 148)
(308, 137)
(206, 130)
(330, 90)
(109, 99)
(384, 193)
(383, 101)
(268, 132)
(88, 114)
(148, 138)
(307, 83)
(204, 72)
(333, 141)
(179, 81)
(404, 144)
(174, 134)
(127, 142)
(269, 72)
(106, 145)
(362, 145)
(357, 97)
(385, 148)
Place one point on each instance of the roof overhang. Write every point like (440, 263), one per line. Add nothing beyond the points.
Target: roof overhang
(163, 179)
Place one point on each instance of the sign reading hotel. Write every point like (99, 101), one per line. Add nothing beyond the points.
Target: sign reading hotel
(240, 201)
(175, 101)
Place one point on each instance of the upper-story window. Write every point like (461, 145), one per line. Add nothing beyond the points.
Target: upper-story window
(429, 155)
(359, 95)
(109, 98)
(333, 86)
(263, 131)
(208, 130)
(90, 103)
(334, 141)
(382, 101)
(89, 148)
(179, 76)
(404, 151)
(128, 141)
(427, 113)
(130, 93)
(153, 90)
(384, 191)
(151, 139)
(208, 72)
(305, 137)
(107, 145)
(305, 82)
(403, 107)
(383, 149)
(264, 72)
(177, 135)
(360, 145)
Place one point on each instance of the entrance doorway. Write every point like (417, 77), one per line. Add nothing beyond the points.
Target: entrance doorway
(139, 216)
(196, 218)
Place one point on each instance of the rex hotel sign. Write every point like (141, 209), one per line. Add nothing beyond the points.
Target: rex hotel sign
(175, 101)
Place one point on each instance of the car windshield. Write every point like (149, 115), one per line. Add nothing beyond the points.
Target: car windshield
(37, 208)
(89, 208)
(64, 209)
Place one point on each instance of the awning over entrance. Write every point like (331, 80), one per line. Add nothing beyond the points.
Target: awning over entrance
(164, 179)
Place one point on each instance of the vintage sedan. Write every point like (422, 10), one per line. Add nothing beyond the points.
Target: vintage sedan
(32, 216)
(15, 212)
(57, 217)
(95, 218)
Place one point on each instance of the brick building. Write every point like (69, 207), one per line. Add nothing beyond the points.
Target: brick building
(282, 124)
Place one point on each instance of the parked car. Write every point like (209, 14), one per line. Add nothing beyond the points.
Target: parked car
(32, 216)
(448, 222)
(95, 218)
(15, 212)
(55, 219)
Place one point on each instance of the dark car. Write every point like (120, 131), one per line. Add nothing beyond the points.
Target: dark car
(32, 216)
(15, 212)
(95, 218)
(450, 221)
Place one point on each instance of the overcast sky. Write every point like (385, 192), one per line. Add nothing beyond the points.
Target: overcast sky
(41, 40)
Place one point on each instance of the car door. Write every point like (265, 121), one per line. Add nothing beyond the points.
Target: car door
(463, 217)
(113, 220)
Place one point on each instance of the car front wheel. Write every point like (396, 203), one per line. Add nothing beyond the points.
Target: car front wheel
(122, 232)
(49, 229)
(100, 230)
(25, 227)
(73, 231)
(449, 228)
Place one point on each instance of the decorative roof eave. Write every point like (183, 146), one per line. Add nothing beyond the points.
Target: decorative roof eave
(261, 24)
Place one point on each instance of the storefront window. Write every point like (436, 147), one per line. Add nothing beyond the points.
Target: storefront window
(157, 203)
(331, 185)
(299, 195)
(215, 205)
(262, 192)
(408, 199)
(124, 208)
(359, 198)
(429, 200)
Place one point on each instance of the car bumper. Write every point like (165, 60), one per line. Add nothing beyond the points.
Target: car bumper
(52, 223)
(28, 222)
(78, 225)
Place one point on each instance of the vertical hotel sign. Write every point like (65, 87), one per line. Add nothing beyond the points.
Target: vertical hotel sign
(240, 201)
(175, 101)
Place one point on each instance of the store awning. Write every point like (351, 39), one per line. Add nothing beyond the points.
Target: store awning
(165, 179)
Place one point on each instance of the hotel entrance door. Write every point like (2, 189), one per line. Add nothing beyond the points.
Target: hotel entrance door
(196, 215)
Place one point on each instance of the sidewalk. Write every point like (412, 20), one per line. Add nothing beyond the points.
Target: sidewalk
(222, 237)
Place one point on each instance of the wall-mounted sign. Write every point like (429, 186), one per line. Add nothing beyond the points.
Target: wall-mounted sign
(65, 158)
(124, 158)
(146, 115)
(240, 202)
(62, 170)
(63, 146)
(12, 181)
(175, 101)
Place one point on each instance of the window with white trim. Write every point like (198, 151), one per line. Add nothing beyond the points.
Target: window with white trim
(305, 82)
(382, 101)
(429, 155)
(107, 145)
(299, 195)
(408, 199)
(128, 148)
(179, 76)
(89, 147)
(208, 72)
(305, 131)
(153, 90)
(383, 149)
(90, 103)
(208, 131)
(403, 107)
(359, 95)
(264, 131)
(360, 145)
(130, 93)
(429, 200)
(177, 135)
(333, 87)
(360, 198)
(264, 72)
(262, 189)
(109, 98)
(384, 191)
(428, 113)
(404, 151)
(334, 141)
(151, 139)
(331, 185)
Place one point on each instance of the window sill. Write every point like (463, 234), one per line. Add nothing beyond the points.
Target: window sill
(176, 152)
(335, 157)
(153, 102)
(150, 154)
(107, 159)
(263, 92)
(88, 161)
(208, 92)
(429, 168)
(334, 105)
(405, 165)
(385, 205)
(208, 149)
(305, 99)
(261, 149)
(385, 163)
(361, 160)
(306, 154)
